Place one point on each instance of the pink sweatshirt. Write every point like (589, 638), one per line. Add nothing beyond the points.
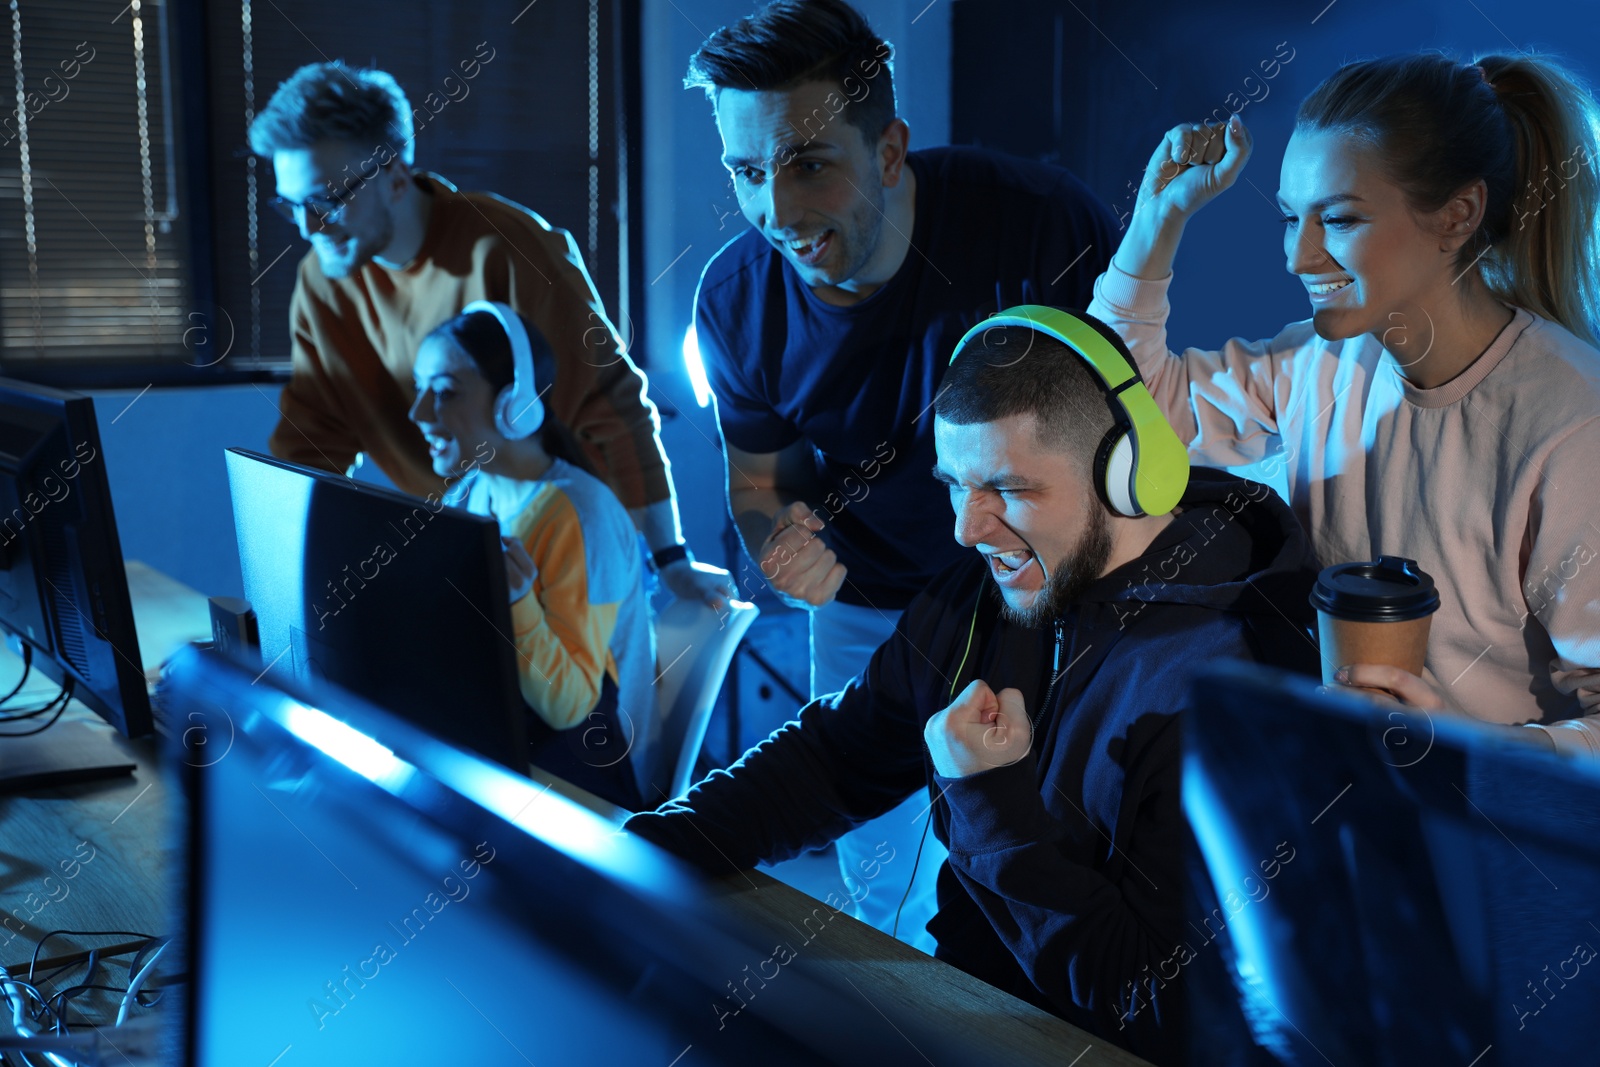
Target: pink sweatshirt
(1488, 482)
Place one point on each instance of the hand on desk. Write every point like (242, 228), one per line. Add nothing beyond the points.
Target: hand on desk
(979, 732)
(800, 567)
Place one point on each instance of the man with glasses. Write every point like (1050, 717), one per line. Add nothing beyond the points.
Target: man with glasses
(395, 253)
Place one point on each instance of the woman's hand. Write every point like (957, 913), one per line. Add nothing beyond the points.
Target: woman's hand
(520, 569)
(1192, 164)
(1401, 685)
(1391, 684)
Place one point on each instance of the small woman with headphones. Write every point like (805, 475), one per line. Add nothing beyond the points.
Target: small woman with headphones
(580, 617)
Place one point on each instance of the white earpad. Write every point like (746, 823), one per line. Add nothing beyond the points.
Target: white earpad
(517, 415)
(518, 410)
(1119, 478)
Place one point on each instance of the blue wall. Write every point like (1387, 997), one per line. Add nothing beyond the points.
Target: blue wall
(168, 486)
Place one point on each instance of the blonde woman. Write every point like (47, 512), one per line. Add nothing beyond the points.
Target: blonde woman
(1442, 402)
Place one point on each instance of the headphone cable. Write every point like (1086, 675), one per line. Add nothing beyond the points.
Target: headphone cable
(893, 930)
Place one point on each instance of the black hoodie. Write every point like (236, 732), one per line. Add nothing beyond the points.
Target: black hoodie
(1064, 884)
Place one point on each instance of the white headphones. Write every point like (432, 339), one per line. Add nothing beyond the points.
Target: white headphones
(518, 411)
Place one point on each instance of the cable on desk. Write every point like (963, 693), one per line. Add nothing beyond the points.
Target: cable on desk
(28, 713)
(33, 963)
(139, 975)
(59, 1001)
(59, 702)
(51, 1012)
(58, 964)
(16, 715)
(13, 991)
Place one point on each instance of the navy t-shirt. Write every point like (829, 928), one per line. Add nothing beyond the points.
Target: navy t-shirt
(858, 382)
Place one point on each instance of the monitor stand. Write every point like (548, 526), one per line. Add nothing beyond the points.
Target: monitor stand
(70, 751)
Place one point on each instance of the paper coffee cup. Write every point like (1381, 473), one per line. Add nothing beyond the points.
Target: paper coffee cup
(1374, 612)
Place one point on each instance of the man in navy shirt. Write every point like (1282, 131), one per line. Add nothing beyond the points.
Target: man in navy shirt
(825, 330)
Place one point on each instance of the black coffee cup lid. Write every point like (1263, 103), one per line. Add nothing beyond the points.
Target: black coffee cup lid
(1389, 589)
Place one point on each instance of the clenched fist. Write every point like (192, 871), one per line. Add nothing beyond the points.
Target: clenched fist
(979, 732)
(801, 569)
(1192, 164)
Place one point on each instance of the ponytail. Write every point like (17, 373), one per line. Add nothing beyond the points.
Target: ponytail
(1522, 124)
(1547, 259)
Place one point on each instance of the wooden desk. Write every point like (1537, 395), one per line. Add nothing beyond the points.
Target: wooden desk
(99, 856)
(945, 1014)
(166, 614)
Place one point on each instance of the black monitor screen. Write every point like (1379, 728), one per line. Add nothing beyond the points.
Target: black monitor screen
(1385, 887)
(397, 600)
(349, 906)
(63, 589)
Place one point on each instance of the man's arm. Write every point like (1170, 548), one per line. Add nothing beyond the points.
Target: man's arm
(761, 484)
(1102, 942)
(685, 578)
(767, 494)
(1075, 236)
(311, 430)
(850, 757)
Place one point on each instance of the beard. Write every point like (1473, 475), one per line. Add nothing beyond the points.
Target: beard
(855, 241)
(361, 249)
(858, 243)
(1069, 580)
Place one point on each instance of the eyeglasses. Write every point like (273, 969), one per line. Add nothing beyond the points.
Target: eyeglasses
(320, 211)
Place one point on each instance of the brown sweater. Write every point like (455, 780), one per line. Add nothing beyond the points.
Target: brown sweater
(355, 341)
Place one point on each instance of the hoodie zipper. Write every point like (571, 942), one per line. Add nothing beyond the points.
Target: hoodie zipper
(1055, 674)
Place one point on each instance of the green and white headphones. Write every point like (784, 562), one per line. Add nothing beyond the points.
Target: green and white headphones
(1140, 468)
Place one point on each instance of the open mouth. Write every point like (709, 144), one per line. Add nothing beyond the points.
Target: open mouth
(437, 445)
(1008, 566)
(1328, 288)
(809, 250)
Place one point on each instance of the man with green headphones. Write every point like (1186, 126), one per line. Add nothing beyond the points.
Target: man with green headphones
(1032, 692)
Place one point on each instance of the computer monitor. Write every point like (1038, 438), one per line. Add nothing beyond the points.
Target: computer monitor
(63, 590)
(1384, 887)
(362, 892)
(401, 602)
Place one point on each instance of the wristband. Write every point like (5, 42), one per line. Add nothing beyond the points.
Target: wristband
(666, 557)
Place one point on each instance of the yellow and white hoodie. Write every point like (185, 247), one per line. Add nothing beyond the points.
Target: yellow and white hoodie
(585, 643)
